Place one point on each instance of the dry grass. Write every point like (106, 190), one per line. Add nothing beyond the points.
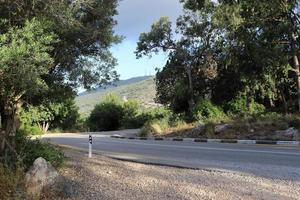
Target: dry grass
(261, 127)
(10, 182)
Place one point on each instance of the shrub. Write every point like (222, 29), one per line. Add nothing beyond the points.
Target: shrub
(239, 106)
(30, 130)
(177, 120)
(63, 116)
(107, 115)
(113, 113)
(132, 117)
(157, 121)
(205, 111)
(56, 130)
(158, 114)
(151, 129)
(293, 121)
(29, 150)
(210, 131)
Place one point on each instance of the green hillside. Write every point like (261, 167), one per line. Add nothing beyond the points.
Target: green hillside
(140, 88)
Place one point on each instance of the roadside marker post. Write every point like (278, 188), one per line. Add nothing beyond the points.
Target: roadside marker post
(90, 145)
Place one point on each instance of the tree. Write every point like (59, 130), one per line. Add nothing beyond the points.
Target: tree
(107, 115)
(25, 58)
(82, 33)
(193, 48)
(264, 37)
(250, 47)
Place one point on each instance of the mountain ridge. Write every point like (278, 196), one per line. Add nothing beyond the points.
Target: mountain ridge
(140, 88)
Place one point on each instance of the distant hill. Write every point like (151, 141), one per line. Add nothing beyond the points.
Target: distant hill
(139, 88)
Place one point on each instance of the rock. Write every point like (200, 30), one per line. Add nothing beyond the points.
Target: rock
(66, 190)
(291, 132)
(43, 177)
(220, 128)
(199, 128)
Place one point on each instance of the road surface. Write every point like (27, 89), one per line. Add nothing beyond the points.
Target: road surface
(282, 162)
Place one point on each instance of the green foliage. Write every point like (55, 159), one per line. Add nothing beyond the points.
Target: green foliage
(113, 113)
(50, 48)
(171, 86)
(205, 111)
(30, 130)
(132, 115)
(78, 31)
(158, 114)
(29, 150)
(156, 38)
(107, 115)
(151, 129)
(228, 48)
(159, 120)
(239, 106)
(25, 58)
(63, 115)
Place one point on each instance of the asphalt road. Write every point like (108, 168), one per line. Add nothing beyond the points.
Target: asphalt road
(281, 162)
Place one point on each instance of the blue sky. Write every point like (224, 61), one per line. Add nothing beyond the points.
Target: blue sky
(135, 17)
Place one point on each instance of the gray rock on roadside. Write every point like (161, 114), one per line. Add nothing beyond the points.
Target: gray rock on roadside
(42, 177)
(200, 127)
(221, 127)
(291, 133)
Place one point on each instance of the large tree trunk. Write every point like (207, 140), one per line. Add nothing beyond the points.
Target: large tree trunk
(296, 64)
(191, 89)
(285, 105)
(44, 126)
(9, 125)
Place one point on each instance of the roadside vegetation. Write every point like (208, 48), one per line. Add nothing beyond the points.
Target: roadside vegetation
(233, 68)
(18, 161)
(237, 121)
(232, 72)
(48, 49)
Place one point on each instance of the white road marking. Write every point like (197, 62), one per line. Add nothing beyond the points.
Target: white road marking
(143, 143)
(203, 148)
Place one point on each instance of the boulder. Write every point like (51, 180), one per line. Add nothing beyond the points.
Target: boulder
(42, 177)
(291, 133)
(221, 127)
(200, 128)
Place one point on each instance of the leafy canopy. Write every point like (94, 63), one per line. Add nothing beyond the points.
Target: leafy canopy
(24, 58)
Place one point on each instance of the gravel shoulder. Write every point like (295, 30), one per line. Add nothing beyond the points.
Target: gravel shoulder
(106, 178)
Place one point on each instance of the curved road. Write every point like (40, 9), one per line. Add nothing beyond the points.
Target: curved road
(282, 162)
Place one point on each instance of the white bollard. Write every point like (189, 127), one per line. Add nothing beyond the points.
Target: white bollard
(90, 145)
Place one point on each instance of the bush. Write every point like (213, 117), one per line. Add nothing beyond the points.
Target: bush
(29, 150)
(205, 111)
(26, 129)
(113, 114)
(151, 129)
(159, 121)
(108, 115)
(239, 106)
(157, 114)
(132, 117)
(12, 167)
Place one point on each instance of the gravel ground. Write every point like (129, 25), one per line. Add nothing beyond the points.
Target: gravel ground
(105, 178)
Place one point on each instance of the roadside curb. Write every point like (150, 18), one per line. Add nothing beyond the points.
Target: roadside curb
(200, 140)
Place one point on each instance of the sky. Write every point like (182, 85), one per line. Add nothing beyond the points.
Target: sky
(135, 17)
